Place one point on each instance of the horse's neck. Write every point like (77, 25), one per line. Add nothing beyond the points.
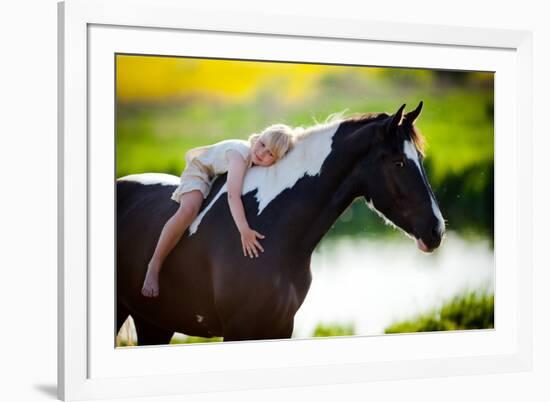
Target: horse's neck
(333, 189)
(328, 210)
(318, 170)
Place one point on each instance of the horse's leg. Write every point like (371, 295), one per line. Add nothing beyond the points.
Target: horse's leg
(150, 334)
(285, 331)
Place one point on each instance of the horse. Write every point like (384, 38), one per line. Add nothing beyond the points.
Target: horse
(209, 288)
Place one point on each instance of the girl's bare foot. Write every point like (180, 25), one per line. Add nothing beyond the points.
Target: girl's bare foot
(151, 284)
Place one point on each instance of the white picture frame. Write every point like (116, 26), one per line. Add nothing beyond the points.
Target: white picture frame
(87, 367)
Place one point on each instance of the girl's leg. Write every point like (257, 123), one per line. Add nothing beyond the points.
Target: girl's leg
(174, 228)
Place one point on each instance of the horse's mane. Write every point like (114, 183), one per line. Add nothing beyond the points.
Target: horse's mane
(302, 133)
(418, 139)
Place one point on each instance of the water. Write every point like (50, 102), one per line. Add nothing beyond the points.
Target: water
(373, 283)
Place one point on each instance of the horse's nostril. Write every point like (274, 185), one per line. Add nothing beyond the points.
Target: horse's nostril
(435, 232)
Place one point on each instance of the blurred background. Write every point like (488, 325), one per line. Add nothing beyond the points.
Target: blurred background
(368, 279)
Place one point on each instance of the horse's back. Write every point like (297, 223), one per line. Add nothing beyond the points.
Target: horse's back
(142, 202)
(142, 189)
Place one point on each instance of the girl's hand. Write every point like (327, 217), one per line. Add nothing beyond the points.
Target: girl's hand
(250, 242)
(235, 176)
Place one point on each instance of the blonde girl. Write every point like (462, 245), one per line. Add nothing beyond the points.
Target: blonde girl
(202, 164)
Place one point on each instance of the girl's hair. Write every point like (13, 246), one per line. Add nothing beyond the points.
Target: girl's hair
(279, 138)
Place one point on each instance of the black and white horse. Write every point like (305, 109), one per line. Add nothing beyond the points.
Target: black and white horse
(208, 288)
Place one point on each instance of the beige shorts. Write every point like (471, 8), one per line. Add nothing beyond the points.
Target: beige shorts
(194, 177)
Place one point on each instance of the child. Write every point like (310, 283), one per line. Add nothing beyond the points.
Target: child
(202, 164)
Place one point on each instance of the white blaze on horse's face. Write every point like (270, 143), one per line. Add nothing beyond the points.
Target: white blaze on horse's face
(412, 154)
(306, 158)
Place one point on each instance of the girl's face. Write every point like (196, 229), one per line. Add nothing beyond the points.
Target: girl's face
(261, 155)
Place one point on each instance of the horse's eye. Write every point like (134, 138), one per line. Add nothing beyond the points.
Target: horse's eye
(399, 164)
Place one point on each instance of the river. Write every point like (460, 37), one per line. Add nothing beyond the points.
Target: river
(373, 283)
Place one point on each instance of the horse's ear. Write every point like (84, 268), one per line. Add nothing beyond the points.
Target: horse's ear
(412, 116)
(396, 120)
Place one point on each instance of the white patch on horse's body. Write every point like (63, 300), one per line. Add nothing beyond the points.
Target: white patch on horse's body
(312, 147)
(148, 179)
(410, 151)
(200, 318)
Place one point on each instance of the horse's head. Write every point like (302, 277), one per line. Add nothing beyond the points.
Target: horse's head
(396, 185)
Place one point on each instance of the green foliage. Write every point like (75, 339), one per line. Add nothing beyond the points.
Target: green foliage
(194, 339)
(333, 329)
(467, 199)
(472, 310)
(457, 121)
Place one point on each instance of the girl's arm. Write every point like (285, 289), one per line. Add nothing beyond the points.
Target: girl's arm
(235, 177)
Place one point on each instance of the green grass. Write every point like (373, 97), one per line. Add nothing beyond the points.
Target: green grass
(457, 127)
(194, 339)
(472, 310)
(333, 329)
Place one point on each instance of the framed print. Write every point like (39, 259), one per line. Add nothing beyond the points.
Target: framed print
(299, 281)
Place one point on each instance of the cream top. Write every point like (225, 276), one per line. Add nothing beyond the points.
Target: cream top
(213, 159)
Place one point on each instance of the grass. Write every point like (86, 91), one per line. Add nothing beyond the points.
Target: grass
(127, 335)
(472, 310)
(333, 329)
(457, 125)
(194, 339)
